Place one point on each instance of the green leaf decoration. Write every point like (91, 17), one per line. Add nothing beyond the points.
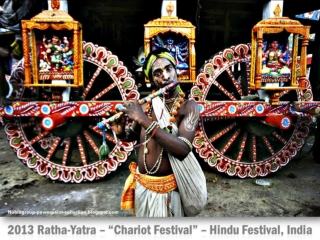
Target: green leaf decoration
(78, 174)
(252, 170)
(89, 49)
(209, 70)
(196, 92)
(120, 154)
(199, 141)
(214, 159)
(232, 169)
(307, 95)
(110, 63)
(273, 165)
(126, 84)
(54, 171)
(298, 74)
(18, 140)
(229, 56)
(33, 160)
(100, 169)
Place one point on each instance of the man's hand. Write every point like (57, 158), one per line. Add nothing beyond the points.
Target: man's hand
(134, 110)
(117, 126)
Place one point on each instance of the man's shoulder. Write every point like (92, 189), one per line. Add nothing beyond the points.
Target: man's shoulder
(191, 104)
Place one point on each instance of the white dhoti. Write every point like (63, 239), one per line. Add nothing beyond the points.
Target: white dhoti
(152, 204)
(151, 196)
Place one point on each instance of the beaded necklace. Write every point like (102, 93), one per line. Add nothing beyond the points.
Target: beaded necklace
(173, 112)
(174, 108)
(156, 165)
(170, 100)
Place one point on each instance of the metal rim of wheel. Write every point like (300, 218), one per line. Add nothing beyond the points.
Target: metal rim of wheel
(226, 143)
(70, 153)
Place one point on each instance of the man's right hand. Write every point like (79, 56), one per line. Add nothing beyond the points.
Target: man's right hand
(134, 111)
(118, 125)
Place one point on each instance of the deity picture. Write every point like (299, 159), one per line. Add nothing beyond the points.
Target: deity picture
(179, 49)
(276, 61)
(55, 51)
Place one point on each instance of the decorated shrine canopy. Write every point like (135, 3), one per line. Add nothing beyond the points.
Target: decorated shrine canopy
(54, 41)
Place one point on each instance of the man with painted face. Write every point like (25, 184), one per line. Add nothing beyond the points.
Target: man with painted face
(164, 129)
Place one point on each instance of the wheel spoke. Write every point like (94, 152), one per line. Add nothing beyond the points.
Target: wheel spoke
(104, 91)
(66, 151)
(40, 136)
(253, 151)
(235, 82)
(242, 147)
(223, 132)
(90, 84)
(222, 89)
(277, 136)
(82, 151)
(231, 140)
(53, 148)
(266, 141)
(91, 142)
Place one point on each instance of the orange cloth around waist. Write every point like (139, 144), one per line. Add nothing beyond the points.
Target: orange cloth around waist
(156, 184)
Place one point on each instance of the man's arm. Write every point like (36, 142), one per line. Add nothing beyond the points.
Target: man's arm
(179, 146)
(175, 146)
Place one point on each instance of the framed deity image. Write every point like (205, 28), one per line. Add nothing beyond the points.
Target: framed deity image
(178, 36)
(276, 60)
(52, 50)
(55, 51)
(279, 54)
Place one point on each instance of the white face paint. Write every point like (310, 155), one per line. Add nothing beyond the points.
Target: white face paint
(192, 120)
(163, 71)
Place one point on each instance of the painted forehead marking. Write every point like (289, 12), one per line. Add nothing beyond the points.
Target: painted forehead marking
(160, 63)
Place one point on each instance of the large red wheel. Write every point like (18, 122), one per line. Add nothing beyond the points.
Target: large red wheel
(242, 145)
(70, 153)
